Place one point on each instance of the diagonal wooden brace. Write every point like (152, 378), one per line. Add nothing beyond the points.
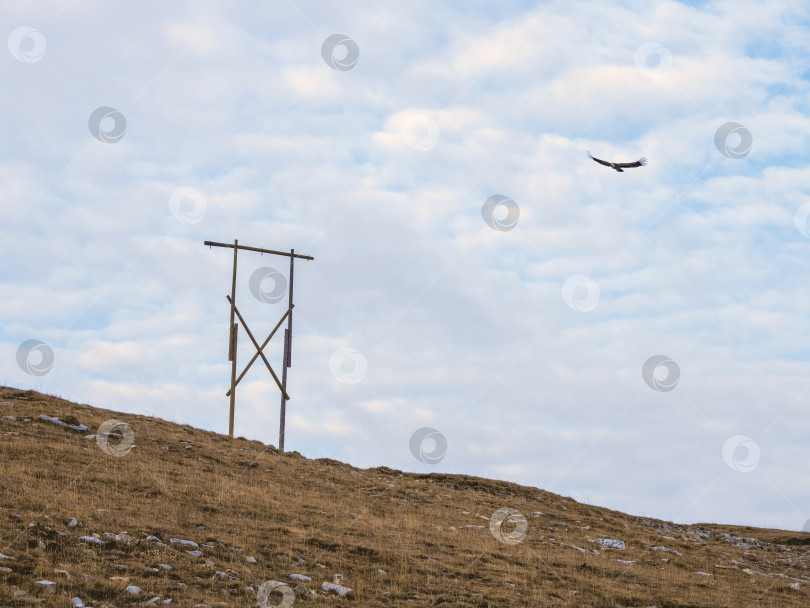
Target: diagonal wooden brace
(259, 349)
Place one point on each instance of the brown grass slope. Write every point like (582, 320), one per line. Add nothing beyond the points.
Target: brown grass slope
(428, 533)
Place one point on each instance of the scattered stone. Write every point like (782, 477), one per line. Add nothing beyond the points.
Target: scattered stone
(64, 573)
(337, 589)
(165, 566)
(304, 592)
(337, 579)
(78, 603)
(220, 576)
(92, 539)
(49, 586)
(794, 586)
(195, 553)
(5, 570)
(5, 556)
(72, 523)
(250, 559)
(180, 541)
(133, 589)
(381, 572)
(704, 574)
(610, 543)
(625, 561)
(55, 420)
(662, 548)
(300, 577)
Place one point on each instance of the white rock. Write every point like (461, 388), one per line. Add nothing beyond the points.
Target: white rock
(49, 586)
(195, 553)
(794, 586)
(612, 543)
(73, 523)
(165, 566)
(133, 589)
(704, 574)
(78, 603)
(250, 559)
(180, 541)
(300, 577)
(5, 556)
(667, 550)
(92, 539)
(338, 589)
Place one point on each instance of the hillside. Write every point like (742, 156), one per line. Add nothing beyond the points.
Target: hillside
(169, 512)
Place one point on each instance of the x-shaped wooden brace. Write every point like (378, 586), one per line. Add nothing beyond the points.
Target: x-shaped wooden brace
(259, 349)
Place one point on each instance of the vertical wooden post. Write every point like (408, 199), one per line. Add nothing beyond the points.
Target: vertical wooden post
(287, 357)
(233, 341)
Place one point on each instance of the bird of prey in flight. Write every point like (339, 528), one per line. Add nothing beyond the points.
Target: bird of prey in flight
(620, 167)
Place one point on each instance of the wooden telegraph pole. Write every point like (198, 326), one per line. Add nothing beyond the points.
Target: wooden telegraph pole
(234, 326)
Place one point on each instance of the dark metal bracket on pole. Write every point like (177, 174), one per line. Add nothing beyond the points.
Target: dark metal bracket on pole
(232, 342)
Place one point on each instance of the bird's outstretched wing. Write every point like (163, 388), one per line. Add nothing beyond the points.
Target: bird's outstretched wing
(639, 163)
(601, 162)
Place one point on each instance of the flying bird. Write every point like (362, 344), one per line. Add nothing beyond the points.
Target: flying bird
(620, 167)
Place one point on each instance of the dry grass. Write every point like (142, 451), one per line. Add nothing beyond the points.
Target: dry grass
(320, 517)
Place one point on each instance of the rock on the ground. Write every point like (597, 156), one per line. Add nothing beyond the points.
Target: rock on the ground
(611, 543)
(49, 586)
(338, 589)
(304, 592)
(133, 589)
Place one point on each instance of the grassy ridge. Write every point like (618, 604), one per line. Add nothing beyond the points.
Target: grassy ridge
(258, 515)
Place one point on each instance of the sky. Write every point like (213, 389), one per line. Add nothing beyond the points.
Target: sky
(484, 299)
